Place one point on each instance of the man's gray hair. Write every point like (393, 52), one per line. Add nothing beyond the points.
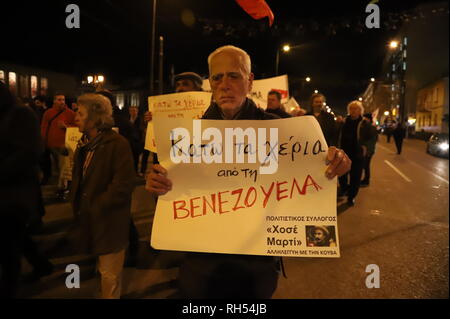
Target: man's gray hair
(99, 110)
(243, 56)
(356, 102)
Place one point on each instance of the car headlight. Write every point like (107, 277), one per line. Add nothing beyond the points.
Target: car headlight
(444, 146)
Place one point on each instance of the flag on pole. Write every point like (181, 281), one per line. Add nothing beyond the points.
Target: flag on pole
(257, 9)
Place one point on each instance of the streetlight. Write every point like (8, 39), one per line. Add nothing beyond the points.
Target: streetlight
(360, 99)
(386, 113)
(286, 48)
(315, 91)
(308, 79)
(372, 79)
(393, 44)
(96, 80)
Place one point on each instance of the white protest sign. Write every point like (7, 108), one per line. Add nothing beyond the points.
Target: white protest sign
(73, 135)
(186, 105)
(261, 89)
(265, 194)
(291, 105)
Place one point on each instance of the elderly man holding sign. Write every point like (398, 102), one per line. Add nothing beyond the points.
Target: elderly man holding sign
(218, 275)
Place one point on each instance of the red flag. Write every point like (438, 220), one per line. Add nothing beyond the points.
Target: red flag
(257, 9)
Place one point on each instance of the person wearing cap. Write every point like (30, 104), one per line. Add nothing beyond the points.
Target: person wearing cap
(184, 82)
(370, 144)
(188, 81)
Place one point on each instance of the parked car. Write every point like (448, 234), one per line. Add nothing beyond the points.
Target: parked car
(438, 144)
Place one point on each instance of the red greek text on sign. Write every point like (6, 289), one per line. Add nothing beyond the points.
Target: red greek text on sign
(228, 201)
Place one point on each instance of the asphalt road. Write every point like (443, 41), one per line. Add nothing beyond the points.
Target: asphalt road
(399, 223)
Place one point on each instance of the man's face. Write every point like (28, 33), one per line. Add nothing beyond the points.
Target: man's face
(59, 101)
(273, 102)
(184, 85)
(229, 82)
(81, 119)
(133, 111)
(354, 111)
(317, 103)
(318, 235)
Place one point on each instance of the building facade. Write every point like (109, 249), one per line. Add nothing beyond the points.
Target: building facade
(432, 107)
(28, 82)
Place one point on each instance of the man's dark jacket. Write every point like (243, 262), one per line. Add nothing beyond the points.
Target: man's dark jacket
(280, 112)
(328, 126)
(355, 134)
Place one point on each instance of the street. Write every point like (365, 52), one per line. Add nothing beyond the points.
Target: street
(399, 223)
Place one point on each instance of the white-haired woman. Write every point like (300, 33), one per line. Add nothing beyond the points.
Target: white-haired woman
(354, 137)
(103, 181)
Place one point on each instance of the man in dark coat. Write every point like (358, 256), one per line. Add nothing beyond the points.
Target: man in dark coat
(274, 105)
(399, 134)
(136, 134)
(354, 137)
(228, 275)
(325, 119)
(370, 144)
(103, 181)
(20, 149)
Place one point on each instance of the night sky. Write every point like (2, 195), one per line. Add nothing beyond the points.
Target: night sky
(115, 36)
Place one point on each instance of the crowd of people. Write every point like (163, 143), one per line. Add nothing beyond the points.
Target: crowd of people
(107, 164)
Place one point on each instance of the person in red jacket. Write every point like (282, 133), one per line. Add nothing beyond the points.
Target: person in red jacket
(53, 129)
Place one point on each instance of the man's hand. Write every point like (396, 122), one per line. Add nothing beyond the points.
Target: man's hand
(148, 116)
(157, 182)
(338, 161)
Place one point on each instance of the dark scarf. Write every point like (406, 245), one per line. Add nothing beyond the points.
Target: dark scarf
(248, 111)
(86, 148)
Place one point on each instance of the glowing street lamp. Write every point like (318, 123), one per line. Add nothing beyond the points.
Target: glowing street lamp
(315, 91)
(386, 113)
(393, 44)
(308, 79)
(96, 80)
(372, 79)
(360, 99)
(286, 48)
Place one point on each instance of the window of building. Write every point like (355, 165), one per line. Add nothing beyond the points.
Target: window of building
(120, 100)
(24, 85)
(44, 86)
(134, 99)
(435, 120)
(34, 85)
(12, 82)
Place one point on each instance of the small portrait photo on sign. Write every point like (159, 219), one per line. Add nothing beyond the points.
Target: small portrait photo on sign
(320, 236)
